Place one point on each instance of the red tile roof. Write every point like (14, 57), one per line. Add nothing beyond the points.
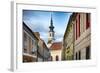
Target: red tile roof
(56, 46)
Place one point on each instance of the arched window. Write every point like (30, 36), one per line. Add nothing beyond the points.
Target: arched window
(51, 58)
(76, 55)
(87, 20)
(79, 55)
(57, 58)
(88, 52)
(50, 34)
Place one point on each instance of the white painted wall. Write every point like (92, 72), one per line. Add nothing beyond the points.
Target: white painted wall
(55, 53)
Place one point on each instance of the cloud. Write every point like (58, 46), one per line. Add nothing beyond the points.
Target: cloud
(59, 40)
(58, 36)
(39, 21)
(44, 36)
(39, 27)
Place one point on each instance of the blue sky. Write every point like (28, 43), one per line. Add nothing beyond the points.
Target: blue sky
(39, 21)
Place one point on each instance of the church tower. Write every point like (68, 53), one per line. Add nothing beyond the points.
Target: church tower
(51, 33)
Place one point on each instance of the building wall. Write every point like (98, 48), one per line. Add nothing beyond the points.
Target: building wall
(69, 53)
(43, 50)
(29, 46)
(77, 40)
(84, 39)
(50, 39)
(68, 42)
(55, 53)
(83, 42)
(40, 59)
(34, 48)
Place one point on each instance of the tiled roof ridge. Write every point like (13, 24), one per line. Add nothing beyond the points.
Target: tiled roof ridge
(56, 46)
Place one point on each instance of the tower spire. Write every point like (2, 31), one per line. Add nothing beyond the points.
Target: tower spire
(51, 31)
(51, 20)
(51, 24)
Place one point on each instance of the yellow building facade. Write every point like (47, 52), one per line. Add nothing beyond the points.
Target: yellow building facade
(77, 37)
(68, 39)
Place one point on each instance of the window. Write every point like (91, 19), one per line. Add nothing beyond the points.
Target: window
(79, 55)
(88, 52)
(76, 29)
(34, 47)
(79, 25)
(30, 45)
(51, 58)
(25, 42)
(53, 34)
(50, 34)
(76, 55)
(33, 51)
(87, 20)
(57, 58)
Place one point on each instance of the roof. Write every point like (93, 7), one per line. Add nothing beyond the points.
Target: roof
(56, 46)
(72, 17)
(44, 45)
(26, 28)
(37, 34)
(49, 41)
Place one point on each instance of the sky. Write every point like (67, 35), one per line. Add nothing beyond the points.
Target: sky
(39, 21)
